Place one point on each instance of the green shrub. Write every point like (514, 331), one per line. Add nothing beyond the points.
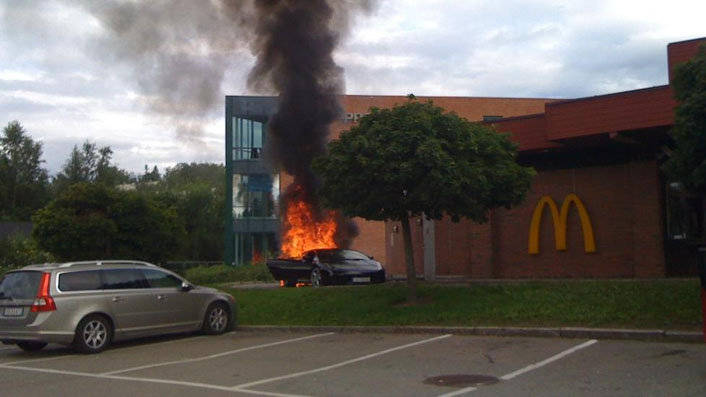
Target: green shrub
(17, 250)
(225, 273)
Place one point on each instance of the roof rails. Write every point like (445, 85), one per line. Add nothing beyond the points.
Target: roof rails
(107, 262)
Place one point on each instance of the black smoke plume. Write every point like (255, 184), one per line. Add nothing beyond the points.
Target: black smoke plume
(179, 53)
(294, 42)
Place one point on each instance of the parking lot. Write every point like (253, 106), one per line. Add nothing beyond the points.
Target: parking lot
(270, 363)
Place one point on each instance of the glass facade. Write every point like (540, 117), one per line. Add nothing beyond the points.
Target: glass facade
(253, 247)
(255, 195)
(253, 188)
(247, 139)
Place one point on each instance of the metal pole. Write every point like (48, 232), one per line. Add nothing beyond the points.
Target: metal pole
(701, 253)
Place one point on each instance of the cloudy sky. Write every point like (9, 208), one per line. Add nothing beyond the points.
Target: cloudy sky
(72, 70)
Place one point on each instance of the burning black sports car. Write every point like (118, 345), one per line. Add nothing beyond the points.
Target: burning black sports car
(328, 266)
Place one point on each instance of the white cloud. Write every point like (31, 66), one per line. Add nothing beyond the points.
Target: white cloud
(53, 81)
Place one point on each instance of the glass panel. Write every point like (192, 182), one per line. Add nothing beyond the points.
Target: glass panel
(160, 279)
(80, 281)
(247, 139)
(254, 247)
(255, 195)
(124, 279)
(20, 285)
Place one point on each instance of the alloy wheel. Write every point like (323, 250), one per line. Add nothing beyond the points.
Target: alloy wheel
(316, 277)
(95, 334)
(217, 319)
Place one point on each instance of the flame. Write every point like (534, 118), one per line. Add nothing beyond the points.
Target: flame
(256, 258)
(303, 232)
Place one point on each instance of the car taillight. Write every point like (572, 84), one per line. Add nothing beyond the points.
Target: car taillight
(43, 302)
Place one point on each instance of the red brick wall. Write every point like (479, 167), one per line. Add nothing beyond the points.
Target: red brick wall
(630, 110)
(623, 202)
(682, 51)
(395, 264)
(371, 239)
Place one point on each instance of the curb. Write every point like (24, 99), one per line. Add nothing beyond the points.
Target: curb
(563, 332)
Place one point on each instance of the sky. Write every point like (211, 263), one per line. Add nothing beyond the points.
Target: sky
(76, 70)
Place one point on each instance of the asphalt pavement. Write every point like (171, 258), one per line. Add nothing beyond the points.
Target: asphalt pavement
(302, 363)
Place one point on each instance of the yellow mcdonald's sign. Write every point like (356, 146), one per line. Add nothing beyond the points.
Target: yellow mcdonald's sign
(560, 219)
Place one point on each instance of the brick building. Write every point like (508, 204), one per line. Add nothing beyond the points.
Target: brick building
(598, 206)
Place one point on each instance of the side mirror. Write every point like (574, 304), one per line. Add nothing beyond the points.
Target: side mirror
(186, 287)
(371, 257)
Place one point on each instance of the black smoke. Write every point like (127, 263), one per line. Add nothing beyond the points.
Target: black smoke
(294, 42)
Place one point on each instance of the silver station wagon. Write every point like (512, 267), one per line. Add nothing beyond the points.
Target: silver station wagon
(90, 304)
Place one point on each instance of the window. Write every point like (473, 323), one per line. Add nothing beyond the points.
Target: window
(159, 279)
(255, 195)
(20, 285)
(353, 255)
(492, 118)
(247, 139)
(124, 279)
(253, 247)
(80, 281)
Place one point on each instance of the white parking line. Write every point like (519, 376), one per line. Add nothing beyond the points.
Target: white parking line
(527, 368)
(34, 360)
(243, 386)
(190, 360)
(147, 380)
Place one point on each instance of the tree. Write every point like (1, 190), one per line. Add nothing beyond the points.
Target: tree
(196, 192)
(25, 184)
(92, 165)
(151, 176)
(92, 221)
(415, 160)
(687, 161)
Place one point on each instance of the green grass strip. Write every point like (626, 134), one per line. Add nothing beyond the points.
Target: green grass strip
(645, 304)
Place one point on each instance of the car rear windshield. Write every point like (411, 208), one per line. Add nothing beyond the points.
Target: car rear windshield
(20, 285)
(88, 280)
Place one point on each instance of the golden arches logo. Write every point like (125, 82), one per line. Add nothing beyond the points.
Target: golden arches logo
(560, 220)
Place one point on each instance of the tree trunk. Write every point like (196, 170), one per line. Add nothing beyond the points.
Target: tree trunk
(409, 259)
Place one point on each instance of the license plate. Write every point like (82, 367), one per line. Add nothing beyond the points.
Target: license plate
(361, 279)
(12, 311)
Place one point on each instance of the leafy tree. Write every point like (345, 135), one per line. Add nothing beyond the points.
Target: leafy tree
(415, 160)
(196, 193)
(184, 174)
(92, 221)
(89, 164)
(17, 250)
(151, 176)
(687, 162)
(24, 184)
(199, 207)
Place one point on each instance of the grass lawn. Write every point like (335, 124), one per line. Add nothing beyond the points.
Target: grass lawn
(662, 304)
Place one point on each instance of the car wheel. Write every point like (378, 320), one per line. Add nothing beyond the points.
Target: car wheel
(316, 278)
(93, 334)
(31, 346)
(217, 319)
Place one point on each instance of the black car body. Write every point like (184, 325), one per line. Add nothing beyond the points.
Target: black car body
(328, 266)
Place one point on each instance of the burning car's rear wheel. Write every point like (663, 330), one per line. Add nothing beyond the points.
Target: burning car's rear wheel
(316, 277)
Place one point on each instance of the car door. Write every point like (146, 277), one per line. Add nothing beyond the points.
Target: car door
(134, 306)
(177, 308)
